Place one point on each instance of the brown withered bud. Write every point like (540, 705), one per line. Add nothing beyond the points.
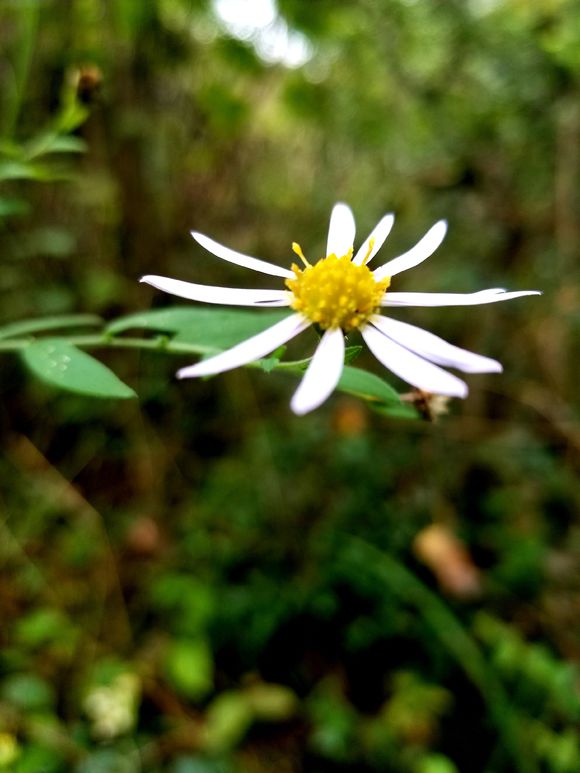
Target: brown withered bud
(431, 407)
(87, 80)
(144, 537)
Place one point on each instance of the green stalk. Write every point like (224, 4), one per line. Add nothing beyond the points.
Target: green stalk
(160, 344)
(29, 14)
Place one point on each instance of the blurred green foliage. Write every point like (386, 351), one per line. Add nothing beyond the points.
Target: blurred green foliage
(197, 581)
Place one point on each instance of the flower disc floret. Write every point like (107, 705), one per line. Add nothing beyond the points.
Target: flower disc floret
(336, 293)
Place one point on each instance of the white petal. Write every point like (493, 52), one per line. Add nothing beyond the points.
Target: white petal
(379, 234)
(452, 299)
(412, 368)
(433, 348)
(341, 230)
(322, 375)
(241, 260)
(417, 254)
(227, 295)
(249, 350)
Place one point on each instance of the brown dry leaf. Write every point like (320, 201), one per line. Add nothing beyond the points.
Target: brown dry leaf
(447, 557)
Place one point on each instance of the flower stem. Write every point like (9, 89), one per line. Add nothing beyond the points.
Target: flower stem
(159, 343)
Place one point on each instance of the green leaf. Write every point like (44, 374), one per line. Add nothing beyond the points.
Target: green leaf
(436, 763)
(189, 667)
(228, 719)
(351, 353)
(10, 148)
(34, 757)
(363, 384)
(396, 410)
(210, 329)
(40, 627)
(42, 324)
(200, 764)
(271, 702)
(17, 170)
(104, 761)
(56, 143)
(62, 365)
(28, 692)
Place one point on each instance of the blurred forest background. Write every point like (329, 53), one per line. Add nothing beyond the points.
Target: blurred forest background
(197, 581)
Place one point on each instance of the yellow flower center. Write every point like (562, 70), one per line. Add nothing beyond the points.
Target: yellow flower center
(335, 293)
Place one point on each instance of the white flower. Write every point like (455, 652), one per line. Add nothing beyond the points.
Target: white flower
(339, 293)
(113, 708)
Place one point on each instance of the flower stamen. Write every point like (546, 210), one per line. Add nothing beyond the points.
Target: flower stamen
(335, 292)
(298, 250)
(369, 251)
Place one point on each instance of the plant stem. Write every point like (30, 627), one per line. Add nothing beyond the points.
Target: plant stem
(159, 344)
(29, 14)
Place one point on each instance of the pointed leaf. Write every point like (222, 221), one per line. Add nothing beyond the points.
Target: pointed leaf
(211, 329)
(18, 170)
(31, 326)
(396, 410)
(363, 384)
(56, 143)
(62, 365)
